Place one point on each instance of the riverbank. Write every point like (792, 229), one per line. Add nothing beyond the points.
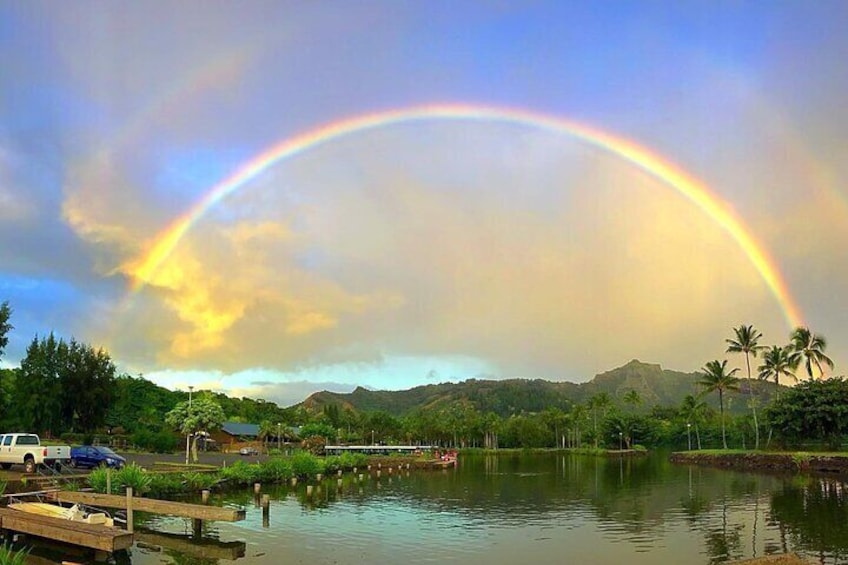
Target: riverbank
(793, 462)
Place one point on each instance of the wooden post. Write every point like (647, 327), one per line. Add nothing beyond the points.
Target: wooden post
(257, 488)
(369, 467)
(204, 496)
(339, 473)
(379, 465)
(390, 470)
(129, 509)
(318, 477)
(309, 490)
(354, 470)
(361, 477)
(266, 509)
(378, 474)
(294, 481)
(108, 480)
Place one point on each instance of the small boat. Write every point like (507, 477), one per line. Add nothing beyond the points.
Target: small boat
(75, 513)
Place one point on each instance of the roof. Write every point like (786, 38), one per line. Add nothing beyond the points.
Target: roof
(239, 429)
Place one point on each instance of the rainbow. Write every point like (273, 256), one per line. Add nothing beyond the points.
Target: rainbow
(144, 268)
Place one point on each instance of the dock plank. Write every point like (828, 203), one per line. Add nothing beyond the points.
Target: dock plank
(152, 505)
(76, 533)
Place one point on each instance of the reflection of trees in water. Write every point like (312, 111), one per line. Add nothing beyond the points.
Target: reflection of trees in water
(815, 516)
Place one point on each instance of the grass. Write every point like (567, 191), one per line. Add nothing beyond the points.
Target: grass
(10, 557)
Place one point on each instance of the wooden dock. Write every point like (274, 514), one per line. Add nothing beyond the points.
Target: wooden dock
(86, 535)
(152, 505)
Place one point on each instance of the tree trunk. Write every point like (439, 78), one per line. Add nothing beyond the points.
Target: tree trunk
(753, 404)
(721, 406)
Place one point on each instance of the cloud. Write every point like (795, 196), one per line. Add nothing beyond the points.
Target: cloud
(547, 263)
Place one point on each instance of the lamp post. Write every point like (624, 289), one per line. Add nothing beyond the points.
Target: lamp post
(188, 435)
(689, 435)
(620, 437)
(279, 436)
(372, 437)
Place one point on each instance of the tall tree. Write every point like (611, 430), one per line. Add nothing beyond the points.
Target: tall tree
(5, 326)
(746, 341)
(777, 362)
(600, 401)
(38, 393)
(809, 348)
(694, 411)
(715, 377)
(632, 398)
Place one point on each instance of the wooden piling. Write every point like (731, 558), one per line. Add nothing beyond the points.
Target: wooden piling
(204, 496)
(294, 481)
(257, 488)
(309, 490)
(339, 473)
(109, 480)
(130, 509)
(318, 477)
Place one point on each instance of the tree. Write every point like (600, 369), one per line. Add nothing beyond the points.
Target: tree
(632, 398)
(5, 326)
(747, 341)
(694, 411)
(716, 378)
(204, 415)
(600, 401)
(813, 410)
(777, 363)
(38, 393)
(809, 348)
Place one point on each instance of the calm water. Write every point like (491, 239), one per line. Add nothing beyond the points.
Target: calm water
(515, 508)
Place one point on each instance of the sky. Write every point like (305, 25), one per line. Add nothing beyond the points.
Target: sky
(274, 198)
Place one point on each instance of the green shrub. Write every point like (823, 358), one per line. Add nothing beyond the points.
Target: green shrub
(306, 464)
(241, 473)
(132, 476)
(276, 469)
(97, 480)
(10, 557)
(165, 484)
(199, 481)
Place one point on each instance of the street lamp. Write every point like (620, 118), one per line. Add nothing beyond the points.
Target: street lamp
(279, 436)
(619, 441)
(372, 437)
(689, 435)
(188, 435)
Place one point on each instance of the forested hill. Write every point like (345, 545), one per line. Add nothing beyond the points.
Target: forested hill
(653, 384)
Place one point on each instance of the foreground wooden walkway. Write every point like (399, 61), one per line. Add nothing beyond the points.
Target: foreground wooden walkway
(86, 535)
(141, 504)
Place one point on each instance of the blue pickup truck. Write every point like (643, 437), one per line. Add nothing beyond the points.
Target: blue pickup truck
(91, 456)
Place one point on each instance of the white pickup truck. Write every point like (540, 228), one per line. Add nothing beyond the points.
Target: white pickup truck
(26, 450)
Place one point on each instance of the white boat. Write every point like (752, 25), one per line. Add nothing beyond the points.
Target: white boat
(74, 513)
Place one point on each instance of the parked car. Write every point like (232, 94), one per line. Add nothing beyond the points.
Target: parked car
(96, 456)
(26, 450)
(248, 451)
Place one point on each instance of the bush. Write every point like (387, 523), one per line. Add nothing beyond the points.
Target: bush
(199, 481)
(306, 465)
(10, 557)
(276, 469)
(132, 476)
(162, 484)
(241, 473)
(97, 480)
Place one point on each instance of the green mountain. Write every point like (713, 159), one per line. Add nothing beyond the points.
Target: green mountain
(655, 386)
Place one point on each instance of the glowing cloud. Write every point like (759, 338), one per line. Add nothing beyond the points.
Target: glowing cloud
(143, 269)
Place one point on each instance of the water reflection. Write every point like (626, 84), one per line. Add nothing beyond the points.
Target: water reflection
(503, 508)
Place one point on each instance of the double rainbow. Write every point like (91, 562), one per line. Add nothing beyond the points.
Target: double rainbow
(143, 270)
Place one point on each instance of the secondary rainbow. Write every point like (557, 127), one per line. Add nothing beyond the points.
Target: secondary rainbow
(143, 270)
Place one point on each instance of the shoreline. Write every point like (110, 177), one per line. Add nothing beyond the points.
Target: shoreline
(784, 462)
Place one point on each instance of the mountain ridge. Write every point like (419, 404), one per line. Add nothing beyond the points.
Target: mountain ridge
(655, 386)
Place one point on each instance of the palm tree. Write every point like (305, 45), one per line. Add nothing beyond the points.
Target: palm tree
(777, 362)
(600, 401)
(693, 410)
(747, 342)
(632, 398)
(809, 347)
(716, 378)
